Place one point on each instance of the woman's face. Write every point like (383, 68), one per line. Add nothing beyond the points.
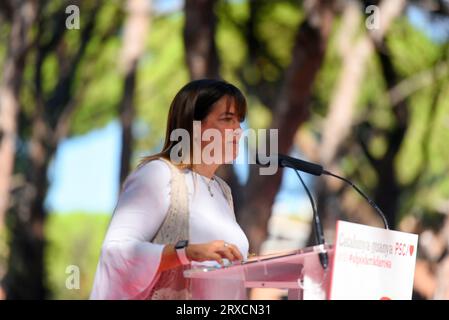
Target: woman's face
(224, 119)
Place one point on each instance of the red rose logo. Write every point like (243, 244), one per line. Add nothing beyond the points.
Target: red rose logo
(411, 248)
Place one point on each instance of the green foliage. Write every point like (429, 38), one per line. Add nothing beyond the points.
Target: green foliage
(412, 49)
(259, 117)
(230, 40)
(4, 37)
(4, 250)
(96, 73)
(99, 73)
(412, 52)
(279, 18)
(327, 76)
(424, 152)
(273, 54)
(162, 72)
(73, 239)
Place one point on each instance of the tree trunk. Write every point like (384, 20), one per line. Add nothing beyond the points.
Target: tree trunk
(388, 189)
(203, 62)
(199, 39)
(290, 112)
(355, 52)
(25, 278)
(136, 31)
(23, 15)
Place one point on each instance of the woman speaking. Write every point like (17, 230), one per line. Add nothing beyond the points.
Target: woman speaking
(173, 210)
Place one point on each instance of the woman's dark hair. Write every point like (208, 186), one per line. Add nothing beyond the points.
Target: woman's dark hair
(193, 103)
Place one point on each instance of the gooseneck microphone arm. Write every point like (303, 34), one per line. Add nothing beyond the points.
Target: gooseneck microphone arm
(300, 165)
(371, 202)
(319, 234)
(317, 170)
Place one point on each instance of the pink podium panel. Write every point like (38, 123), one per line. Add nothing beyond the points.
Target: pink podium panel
(365, 263)
(372, 263)
(298, 271)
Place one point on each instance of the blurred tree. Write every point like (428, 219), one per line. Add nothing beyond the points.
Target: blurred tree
(73, 239)
(202, 60)
(20, 15)
(289, 107)
(44, 122)
(376, 127)
(287, 97)
(355, 50)
(391, 188)
(162, 72)
(199, 39)
(135, 33)
(395, 130)
(253, 208)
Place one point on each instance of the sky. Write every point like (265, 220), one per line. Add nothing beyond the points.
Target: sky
(84, 173)
(167, 6)
(437, 29)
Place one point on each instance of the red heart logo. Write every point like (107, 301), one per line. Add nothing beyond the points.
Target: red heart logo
(412, 248)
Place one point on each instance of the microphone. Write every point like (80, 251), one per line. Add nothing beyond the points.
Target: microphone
(319, 234)
(301, 165)
(317, 170)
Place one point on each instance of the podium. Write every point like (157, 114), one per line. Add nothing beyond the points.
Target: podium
(364, 263)
(298, 271)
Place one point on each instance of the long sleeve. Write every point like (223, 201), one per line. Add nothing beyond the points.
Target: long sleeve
(128, 263)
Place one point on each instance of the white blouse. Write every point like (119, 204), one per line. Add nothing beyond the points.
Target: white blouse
(129, 261)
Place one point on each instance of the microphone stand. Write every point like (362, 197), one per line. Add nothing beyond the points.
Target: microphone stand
(319, 234)
(317, 170)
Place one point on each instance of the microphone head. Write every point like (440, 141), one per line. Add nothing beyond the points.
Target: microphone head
(301, 165)
(283, 160)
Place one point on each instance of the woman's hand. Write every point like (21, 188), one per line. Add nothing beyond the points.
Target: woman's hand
(214, 250)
